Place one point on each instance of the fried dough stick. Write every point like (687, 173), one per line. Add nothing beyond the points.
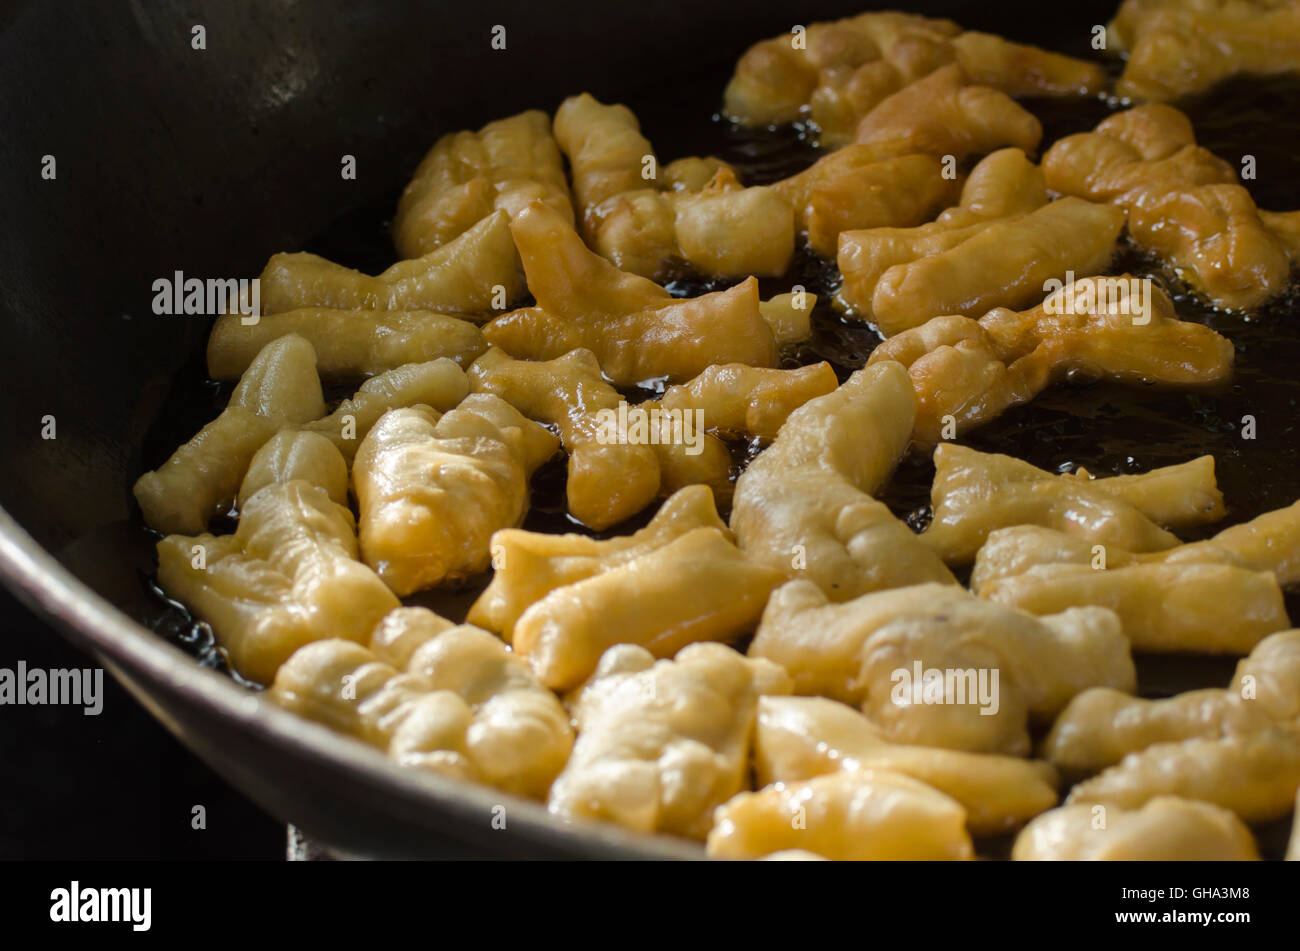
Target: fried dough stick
(799, 738)
(803, 507)
(853, 652)
(1176, 48)
(529, 565)
(472, 276)
(634, 327)
(468, 175)
(1256, 775)
(1184, 203)
(975, 493)
(967, 372)
(1270, 543)
(348, 343)
(846, 67)
(289, 574)
(437, 696)
(1100, 726)
(875, 815)
(1165, 829)
(661, 743)
(279, 388)
(432, 489)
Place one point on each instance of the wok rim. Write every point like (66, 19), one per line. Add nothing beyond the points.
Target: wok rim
(93, 623)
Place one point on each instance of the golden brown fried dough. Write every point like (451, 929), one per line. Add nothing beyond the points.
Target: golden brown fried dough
(1165, 829)
(1255, 775)
(976, 492)
(802, 737)
(661, 743)
(608, 482)
(440, 384)
(280, 388)
(635, 329)
(644, 226)
(1175, 47)
(1205, 608)
(789, 316)
(996, 666)
(873, 815)
(837, 72)
(294, 454)
(1006, 263)
(474, 275)
(435, 696)
(803, 506)
(1184, 203)
(348, 343)
(740, 400)
(433, 490)
(468, 175)
(945, 114)
(697, 587)
(1101, 726)
(288, 576)
(859, 187)
(529, 565)
(967, 372)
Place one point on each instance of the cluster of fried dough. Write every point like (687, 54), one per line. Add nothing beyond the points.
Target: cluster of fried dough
(1177, 47)
(805, 678)
(836, 73)
(1184, 204)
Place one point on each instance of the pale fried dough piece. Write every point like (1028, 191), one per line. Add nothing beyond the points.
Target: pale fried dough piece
(635, 329)
(802, 737)
(1176, 48)
(944, 114)
(461, 277)
(453, 699)
(279, 388)
(697, 587)
(854, 651)
(976, 492)
(433, 490)
(974, 370)
(845, 68)
(660, 744)
(467, 175)
(803, 506)
(287, 576)
(719, 228)
(440, 384)
(874, 815)
(529, 565)
(1003, 184)
(740, 400)
(1205, 608)
(1004, 264)
(293, 454)
(1270, 542)
(1184, 203)
(1255, 775)
(859, 187)
(1101, 726)
(348, 343)
(607, 482)
(1165, 829)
